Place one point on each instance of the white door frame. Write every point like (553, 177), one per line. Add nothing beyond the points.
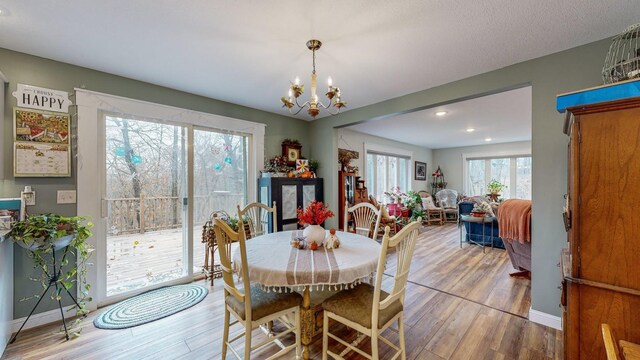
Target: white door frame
(90, 170)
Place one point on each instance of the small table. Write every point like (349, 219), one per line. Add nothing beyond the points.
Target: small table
(478, 220)
(274, 264)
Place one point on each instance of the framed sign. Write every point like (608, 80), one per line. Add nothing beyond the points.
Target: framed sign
(35, 97)
(420, 170)
(42, 146)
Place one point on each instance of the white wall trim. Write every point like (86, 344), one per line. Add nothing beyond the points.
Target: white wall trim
(42, 318)
(386, 149)
(545, 319)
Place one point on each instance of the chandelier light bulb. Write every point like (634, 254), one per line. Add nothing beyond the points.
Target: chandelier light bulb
(297, 81)
(290, 93)
(329, 81)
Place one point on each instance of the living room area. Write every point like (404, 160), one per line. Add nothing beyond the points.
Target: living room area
(442, 164)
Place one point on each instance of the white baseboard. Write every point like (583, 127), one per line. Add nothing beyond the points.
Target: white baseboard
(43, 318)
(545, 319)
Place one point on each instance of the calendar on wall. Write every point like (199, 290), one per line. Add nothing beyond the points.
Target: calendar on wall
(41, 144)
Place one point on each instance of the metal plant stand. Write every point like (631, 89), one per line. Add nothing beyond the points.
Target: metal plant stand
(53, 281)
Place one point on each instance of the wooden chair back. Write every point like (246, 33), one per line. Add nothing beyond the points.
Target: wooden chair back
(256, 215)
(366, 218)
(610, 345)
(225, 236)
(404, 243)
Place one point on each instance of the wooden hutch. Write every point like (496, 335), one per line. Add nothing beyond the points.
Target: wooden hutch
(349, 191)
(601, 281)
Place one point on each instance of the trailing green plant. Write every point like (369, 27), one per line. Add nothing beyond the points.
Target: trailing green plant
(38, 234)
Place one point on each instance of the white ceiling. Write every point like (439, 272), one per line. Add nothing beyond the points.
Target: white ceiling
(245, 52)
(502, 117)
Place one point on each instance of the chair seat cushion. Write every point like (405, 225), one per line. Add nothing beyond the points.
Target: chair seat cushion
(264, 303)
(357, 304)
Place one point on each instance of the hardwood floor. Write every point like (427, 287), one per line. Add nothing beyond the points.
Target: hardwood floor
(460, 304)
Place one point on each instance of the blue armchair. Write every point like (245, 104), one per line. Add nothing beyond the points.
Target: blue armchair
(474, 230)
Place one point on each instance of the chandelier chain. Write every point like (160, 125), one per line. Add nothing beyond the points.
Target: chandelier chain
(314, 61)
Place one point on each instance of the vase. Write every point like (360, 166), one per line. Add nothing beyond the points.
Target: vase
(314, 233)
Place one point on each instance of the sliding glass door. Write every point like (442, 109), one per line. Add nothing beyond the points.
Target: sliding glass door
(151, 189)
(220, 174)
(146, 176)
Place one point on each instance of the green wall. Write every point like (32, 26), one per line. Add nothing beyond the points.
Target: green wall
(32, 70)
(550, 75)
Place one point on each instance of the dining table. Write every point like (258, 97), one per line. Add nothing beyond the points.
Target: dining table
(275, 265)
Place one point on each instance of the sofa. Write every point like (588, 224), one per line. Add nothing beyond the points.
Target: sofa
(474, 230)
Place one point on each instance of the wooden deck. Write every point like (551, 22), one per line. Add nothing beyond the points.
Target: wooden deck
(137, 260)
(460, 304)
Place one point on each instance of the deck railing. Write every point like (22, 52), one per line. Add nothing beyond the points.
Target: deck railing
(138, 215)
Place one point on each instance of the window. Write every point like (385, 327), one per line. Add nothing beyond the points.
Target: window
(386, 171)
(512, 171)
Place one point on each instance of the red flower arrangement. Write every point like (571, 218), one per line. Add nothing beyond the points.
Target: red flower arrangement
(314, 214)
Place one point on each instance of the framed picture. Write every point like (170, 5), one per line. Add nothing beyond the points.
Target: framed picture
(11, 210)
(292, 150)
(42, 146)
(420, 170)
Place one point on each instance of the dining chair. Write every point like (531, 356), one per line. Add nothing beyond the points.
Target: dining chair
(249, 304)
(385, 218)
(256, 216)
(369, 309)
(366, 219)
(610, 345)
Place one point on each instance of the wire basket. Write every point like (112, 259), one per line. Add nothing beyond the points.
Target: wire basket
(623, 59)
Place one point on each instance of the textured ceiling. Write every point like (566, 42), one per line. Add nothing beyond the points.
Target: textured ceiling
(503, 117)
(245, 52)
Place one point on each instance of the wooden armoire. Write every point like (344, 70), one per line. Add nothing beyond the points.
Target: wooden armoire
(600, 267)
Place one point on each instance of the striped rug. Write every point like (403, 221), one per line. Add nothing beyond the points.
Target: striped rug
(150, 306)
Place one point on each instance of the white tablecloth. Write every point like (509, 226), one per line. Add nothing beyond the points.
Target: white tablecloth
(277, 266)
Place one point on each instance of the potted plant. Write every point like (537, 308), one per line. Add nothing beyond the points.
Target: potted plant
(480, 209)
(495, 187)
(42, 236)
(412, 201)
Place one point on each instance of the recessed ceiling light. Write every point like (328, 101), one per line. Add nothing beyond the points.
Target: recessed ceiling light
(441, 113)
(488, 139)
(471, 130)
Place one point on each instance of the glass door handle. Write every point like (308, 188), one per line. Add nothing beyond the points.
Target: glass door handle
(104, 208)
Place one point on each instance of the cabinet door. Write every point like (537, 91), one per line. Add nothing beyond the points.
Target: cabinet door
(609, 194)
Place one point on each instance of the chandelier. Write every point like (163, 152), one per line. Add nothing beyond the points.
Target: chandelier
(313, 105)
